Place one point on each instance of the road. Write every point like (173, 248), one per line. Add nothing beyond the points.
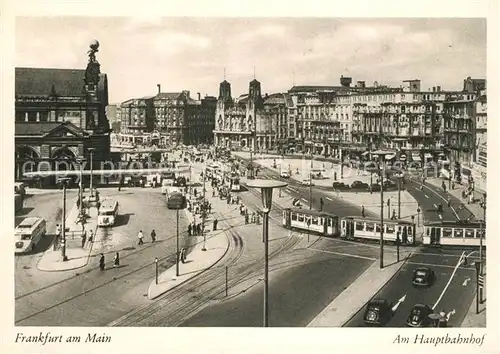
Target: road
(444, 294)
(88, 297)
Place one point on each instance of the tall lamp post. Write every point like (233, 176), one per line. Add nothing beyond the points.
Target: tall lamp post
(399, 196)
(266, 190)
(381, 171)
(482, 232)
(79, 160)
(91, 150)
(203, 210)
(64, 181)
(251, 163)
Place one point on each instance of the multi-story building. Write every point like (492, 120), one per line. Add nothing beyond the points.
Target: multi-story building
(243, 123)
(60, 117)
(137, 120)
(167, 119)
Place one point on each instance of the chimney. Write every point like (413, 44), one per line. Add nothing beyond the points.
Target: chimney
(199, 96)
(159, 88)
(438, 89)
(433, 88)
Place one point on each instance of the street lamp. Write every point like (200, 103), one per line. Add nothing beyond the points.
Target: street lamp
(266, 190)
(482, 232)
(203, 210)
(399, 195)
(91, 150)
(79, 160)
(64, 181)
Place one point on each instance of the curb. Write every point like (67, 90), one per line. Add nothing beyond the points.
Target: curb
(371, 297)
(194, 276)
(71, 268)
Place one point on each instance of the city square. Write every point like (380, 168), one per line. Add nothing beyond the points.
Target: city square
(350, 197)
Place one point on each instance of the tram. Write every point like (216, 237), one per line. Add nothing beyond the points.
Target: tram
(233, 180)
(318, 222)
(355, 228)
(454, 234)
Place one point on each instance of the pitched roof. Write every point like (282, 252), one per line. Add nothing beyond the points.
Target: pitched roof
(275, 98)
(169, 95)
(43, 82)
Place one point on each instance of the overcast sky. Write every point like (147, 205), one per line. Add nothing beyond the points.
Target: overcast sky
(191, 53)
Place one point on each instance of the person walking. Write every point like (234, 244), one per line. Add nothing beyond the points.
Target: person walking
(140, 236)
(153, 236)
(91, 236)
(363, 211)
(101, 262)
(321, 203)
(215, 224)
(198, 229)
(116, 261)
(190, 229)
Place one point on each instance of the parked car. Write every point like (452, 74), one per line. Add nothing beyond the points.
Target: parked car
(284, 174)
(20, 189)
(375, 187)
(423, 277)
(340, 186)
(378, 312)
(388, 184)
(307, 182)
(359, 185)
(419, 316)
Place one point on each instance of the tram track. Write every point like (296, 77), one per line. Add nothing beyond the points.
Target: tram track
(182, 302)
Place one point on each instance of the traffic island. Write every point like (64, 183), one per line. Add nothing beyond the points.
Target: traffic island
(77, 256)
(196, 262)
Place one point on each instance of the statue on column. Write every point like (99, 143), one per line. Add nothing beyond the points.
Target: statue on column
(93, 67)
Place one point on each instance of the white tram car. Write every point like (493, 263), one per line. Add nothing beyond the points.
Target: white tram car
(355, 228)
(454, 234)
(311, 220)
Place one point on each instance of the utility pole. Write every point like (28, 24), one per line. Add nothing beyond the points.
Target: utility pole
(399, 197)
(310, 191)
(482, 232)
(381, 219)
(203, 210)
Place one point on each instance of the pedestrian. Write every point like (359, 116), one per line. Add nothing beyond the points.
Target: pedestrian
(58, 231)
(140, 236)
(91, 236)
(101, 262)
(215, 224)
(321, 203)
(189, 229)
(253, 217)
(363, 211)
(246, 219)
(116, 262)
(194, 229)
(84, 238)
(198, 229)
(449, 202)
(153, 236)
(195, 192)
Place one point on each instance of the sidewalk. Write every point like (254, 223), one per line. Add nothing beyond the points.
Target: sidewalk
(78, 257)
(473, 320)
(352, 299)
(197, 260)
(474, 208)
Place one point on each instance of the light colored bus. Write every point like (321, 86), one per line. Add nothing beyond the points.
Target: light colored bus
(28, 233)
(108, 212)
(170, 190)
(166, 183)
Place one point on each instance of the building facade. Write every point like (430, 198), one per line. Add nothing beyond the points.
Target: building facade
(167, 119)
(60, 117)
(247, 122)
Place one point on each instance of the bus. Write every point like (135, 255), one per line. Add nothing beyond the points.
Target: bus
(213, 170)
(108, 211)
(452, 233)
(357, 228)
(318, 222)
(28, 233)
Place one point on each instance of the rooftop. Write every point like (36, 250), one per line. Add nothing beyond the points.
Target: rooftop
(45, 82)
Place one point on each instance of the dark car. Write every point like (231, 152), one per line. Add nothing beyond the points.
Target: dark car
(378, 312)
(423, 277)
(340, 185)
(419, 316)
(375, 187)
(359, 185)
(388, 184)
